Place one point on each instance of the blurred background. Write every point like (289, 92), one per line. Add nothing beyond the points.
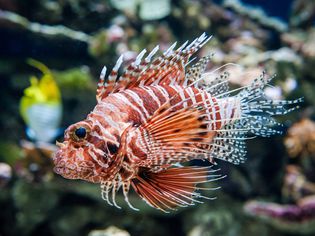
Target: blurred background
(51, 54)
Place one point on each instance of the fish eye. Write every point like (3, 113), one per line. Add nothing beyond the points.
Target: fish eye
(80, 132)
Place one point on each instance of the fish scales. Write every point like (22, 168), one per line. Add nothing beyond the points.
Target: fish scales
(159, 114)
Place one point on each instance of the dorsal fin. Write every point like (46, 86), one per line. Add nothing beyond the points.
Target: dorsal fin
(168, 68)
(194, 72)
(219, 85)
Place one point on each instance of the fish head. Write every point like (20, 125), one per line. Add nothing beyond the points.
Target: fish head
(85, 154)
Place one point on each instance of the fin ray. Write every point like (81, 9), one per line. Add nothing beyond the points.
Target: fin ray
(169, 189)
(165, 69)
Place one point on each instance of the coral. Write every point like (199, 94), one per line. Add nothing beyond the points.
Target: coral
(300, 140)
(301, 41)
(74, 79)
(256, 14)
(10, 153)
(147, 9)
(36, 164)
(302, 13)
(110, 231)
(222, 217)
(298, 218)
(296, 185)
(5, 174)
(46, 30)
(99, 44)
(34, 203)
(213, 220)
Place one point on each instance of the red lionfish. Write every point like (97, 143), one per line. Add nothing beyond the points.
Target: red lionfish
(157, 115)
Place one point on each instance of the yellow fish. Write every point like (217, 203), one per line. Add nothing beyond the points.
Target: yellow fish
(40, 106)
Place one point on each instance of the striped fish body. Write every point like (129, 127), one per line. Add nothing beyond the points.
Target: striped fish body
(157, 115)
(131, 108)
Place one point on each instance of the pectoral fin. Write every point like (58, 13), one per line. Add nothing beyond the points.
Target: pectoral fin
(171, 136)
(174, 187)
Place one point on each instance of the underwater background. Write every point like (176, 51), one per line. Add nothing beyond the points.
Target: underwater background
(51, 55)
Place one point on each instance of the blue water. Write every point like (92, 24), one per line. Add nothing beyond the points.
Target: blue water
(276, 8)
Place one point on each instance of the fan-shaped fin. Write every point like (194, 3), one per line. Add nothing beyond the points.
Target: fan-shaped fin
(175, 135)
(174, 187)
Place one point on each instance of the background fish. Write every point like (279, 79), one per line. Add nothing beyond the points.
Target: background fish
(158, 114)
(41, 106)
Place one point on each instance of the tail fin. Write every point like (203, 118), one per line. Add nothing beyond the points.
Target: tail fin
(257, 110)
(174, 187)
(255, 117)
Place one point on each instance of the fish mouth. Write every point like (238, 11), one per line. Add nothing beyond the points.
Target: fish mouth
(64, 167)
(59, 170)
(57, 157)
(60, 165)
(69, 170)
(65, 172)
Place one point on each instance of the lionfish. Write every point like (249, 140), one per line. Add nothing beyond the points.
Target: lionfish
(157, 115)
